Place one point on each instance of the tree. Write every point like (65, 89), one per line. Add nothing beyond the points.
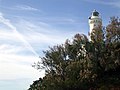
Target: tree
(81, 64)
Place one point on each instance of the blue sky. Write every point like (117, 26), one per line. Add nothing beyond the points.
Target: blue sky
(27, 27)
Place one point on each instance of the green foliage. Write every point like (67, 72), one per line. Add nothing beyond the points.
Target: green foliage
(81, 64)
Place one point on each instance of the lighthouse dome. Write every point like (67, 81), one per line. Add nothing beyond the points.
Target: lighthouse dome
(95, 13)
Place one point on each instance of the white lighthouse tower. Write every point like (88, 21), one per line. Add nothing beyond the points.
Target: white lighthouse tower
(94, 21)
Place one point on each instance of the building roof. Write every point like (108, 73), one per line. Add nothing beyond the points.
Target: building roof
(95, 13)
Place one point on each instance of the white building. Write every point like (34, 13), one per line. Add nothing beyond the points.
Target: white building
(94, 20)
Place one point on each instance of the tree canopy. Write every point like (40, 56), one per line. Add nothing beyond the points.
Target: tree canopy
(80, 64)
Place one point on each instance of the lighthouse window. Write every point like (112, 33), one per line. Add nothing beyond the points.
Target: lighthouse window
(91, 22)
(95, 21)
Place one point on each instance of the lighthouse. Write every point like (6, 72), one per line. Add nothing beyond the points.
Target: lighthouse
(94, 21)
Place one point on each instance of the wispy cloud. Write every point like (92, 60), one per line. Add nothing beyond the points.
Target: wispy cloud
(44, 33)
(10, 49)
(113, 3)
(25, 7)
(14, 30)
(15, 67)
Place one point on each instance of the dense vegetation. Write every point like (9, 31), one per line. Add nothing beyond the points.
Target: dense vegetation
(80, 64)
